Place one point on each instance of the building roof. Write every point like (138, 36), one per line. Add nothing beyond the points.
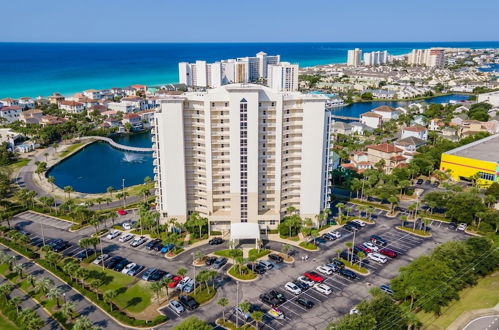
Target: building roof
(71, 103)
(410, 141)
(370, 114)
(384, 108)
(485, 149)
(244, 230)
(398, 158)
(416, 128)
(384, 147)
(14, 107)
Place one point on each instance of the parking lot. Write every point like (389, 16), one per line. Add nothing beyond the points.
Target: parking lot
(346, 292)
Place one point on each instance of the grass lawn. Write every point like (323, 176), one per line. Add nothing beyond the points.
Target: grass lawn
(135, 299)
(70, 149)
(258, 253)
(229, 325)
(484, 295)
(202, 295)
(355, 267)
(114, 281)
(414, 231)
(291, 238)
(5, 323)
(223, 253)
(4, 269)
(246, 274)
(308, 245)
(21, 162)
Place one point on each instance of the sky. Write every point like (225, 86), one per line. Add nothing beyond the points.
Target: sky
(248, 21)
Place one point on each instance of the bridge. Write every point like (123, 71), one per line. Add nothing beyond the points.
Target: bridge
(117, 145)
(345, 118)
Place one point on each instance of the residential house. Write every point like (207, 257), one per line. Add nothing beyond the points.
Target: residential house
(55, 98)
(390, 155)
(418, 120)
(470, 127)
(147, 118)
(386, 112)
(137, 102)
(492, 126)
(409, 145)
(112, 122)
(359, 128)
(130, 91)
(359, 161)
(31, 116)
(9, 102)
(461, 109)
(87, 102)
(92, 94)
(72, 106)
(417, 131)
(121, 107)
(371, 119)
(133, 119)
(339, 127)
(436, 124)
(493, 112)
(450, 133)
(26, 103)
(419, 107)
(99, 108)
(48, 120)
(10, 114)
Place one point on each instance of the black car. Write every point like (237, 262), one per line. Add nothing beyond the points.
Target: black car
(276, 258)
(135, 270)
(54, 242)
(318, 240)
(427, 182)
(345, 255)
(329, 237)
(347, 227)
(209, 261)
(189, 302)
(111, 262)
(84, 254)
(419, 182)
(152, 243)
(216, 241)
(348, 273)
(269, 300)
(354, 224)
(436, 184)
(452, 226)
(256, 268)
(277, 295)
(120, 265)
(219, 262)
(305, 303)
(337, 263)
(301, 285)
(61, 246)
(378, 240)
(158, 275)
(157, 247)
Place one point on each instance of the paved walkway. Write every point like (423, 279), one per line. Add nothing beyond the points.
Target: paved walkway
(117, 145)
(83, 306)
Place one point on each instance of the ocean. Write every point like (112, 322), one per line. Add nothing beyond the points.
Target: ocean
(39, 69)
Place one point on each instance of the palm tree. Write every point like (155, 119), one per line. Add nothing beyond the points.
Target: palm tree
(18, 269)
(31, 280)
(245, 307)
(144, 191)
(285, 248)
(257, 316)
(84, 323)
(99, 201)
(68, 190)
(16, 302)
(147, 180)
(5, 290)
(109, 295)
(403, 219)
(51, 180)
(67, 309)
(392, 200)
(43, 285)
(55, 293)
(166, 282)
(156, 287)
(110, 191)
(340, 206)
(182, 272)
(223, 302)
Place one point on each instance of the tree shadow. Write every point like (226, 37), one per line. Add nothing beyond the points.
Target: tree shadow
(133, 302)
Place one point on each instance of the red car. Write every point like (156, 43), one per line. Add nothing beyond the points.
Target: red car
(314, 277)
(175, 281)
(363, 248)
(121, 212)
(388, 253)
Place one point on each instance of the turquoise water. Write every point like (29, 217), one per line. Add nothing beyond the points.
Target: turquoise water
(34, 69)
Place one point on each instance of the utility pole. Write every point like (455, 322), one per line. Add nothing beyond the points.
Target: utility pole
(43, 235)
(353, 246)
(123, 191)
(194, 266)
(237, 302)
(101, 253)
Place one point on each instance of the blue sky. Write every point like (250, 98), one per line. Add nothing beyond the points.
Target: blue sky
(248, 21)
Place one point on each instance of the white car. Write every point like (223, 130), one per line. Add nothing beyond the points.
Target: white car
(377, 257)
(325, 270)
(182, 283)
(323, 288)
(113, 234)
(462, 226)
(306, 281)
(176, 306)
(354, 311)
(100, 258)
(359, 222)
(293, 288)
(128, 268)
(371, 246)
(335, 234)
(126, 225)
(126, 238)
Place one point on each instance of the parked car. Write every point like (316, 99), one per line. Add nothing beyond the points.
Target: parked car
(158, 247)
(427, 182)
(135, 270)
(293, 288)
(216, 241)
(378, 240)
(388, 252)
(138, 241)
(276, 258)
(324, 270)
(349, 256)
(84, 254)
(219, 263)
(175, 281)
(126, 238)
(436, 184)
(359, 222)
(363, 248)
(189, 286)
(147, 274)
(266, 264)
(462, 226)
(209, 260)
(241, 313)
(158, 275)
(452, 226)
(128, 268)
(377, 257)
(276, 313)
(387, 289)
(419, 182)
(167, 248)
(307, 281)
(269, 300)
(348, 273)
(111, 262)
(100, 259)
(323, 288)
(277, 295)
(121, 265)
(122, 212)
(61, 246)
(336, 234)
(329, 237)
(126, 226)
(188, 302)
(314, 277)
(176, 306)
(354, 224)
(151, 243)
(371, 246)
(256, 268)
(113, 234)
(305, 303)
(336, 262)
(301, 285)
(182, 283)
(350, 228)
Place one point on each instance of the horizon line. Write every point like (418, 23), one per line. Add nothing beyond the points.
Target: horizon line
(239, 42)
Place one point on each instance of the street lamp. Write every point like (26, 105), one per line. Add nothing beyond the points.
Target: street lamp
(123, 191)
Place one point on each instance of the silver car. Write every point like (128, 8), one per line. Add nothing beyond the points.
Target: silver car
(176, 306)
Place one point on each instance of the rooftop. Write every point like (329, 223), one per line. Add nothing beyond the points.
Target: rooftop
(486, 149)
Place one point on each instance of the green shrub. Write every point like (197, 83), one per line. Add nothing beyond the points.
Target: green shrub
(215, 233)
(308, 245)
(19, 248)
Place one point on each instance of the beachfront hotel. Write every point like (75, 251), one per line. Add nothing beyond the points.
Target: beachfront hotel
(354, 57)
(241, 153)
(240, 70)
(432, 57)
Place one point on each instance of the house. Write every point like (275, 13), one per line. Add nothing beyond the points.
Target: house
(147, 118)
(92, 94)
(87, 102)
(436, 124)
(371, 119)
(130, 91)
(7, 135)
(470, 127)
(9, 102)
(388, 154)
(359, 128)
(386, 112)
(402, 110)
(409, 145)
(359, 161)
(458, 120)
(417, 107)
(418, 120)
(140, 88)
(492, 126)
(55, 98)
(417, 131)
(26, 146)
(137, 102)
(461, 109)
(339, 127)
(133, 119)
(99, 108)
(71, 106)
(31, 116)
(27, 103)
(112, 122)
(121, 107)
(493, 112)
(48, 120)
(10, 114)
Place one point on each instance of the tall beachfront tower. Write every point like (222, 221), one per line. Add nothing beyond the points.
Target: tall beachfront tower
(241, 153)
(283, 77)
(354, 57)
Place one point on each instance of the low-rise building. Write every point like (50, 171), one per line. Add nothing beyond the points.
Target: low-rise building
(386, 112)
(27, 103)
(133, 119)
(10, 114)
(417, 131)
(371, 119)
(389, 155)
(31, 116)
(71, 106)
(491, 98)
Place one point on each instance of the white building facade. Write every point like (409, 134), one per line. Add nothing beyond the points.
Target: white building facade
(376, 58)
(237, 154)
(354, 57)
(283, 77)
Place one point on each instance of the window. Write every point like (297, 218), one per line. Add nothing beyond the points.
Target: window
(486, 176)
(272, 222)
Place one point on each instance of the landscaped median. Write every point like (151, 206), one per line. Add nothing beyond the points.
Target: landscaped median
(417, 232)
(355, 268)
(308, 246)
(229, 325)
(242, 273)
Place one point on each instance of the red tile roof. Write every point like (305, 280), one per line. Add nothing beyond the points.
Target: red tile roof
(384, 108)
(370, 114)
(417, 128)
(384, 147)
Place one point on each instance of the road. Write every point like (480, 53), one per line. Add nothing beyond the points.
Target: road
(484, 323)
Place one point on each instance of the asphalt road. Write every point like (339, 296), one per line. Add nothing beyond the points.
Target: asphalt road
(484, 323)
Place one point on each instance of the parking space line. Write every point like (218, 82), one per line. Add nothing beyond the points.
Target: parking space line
(297, 305)
(173, 311)
(310, 296)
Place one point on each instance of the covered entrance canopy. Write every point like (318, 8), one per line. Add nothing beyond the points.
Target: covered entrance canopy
(245, 230)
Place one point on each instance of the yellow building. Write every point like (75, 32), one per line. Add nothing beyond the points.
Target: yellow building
(478, 158)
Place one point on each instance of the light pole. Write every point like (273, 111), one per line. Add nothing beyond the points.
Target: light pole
(123, 191)
(101, 253)
(64, 297)
(43, 235)
(194, 266)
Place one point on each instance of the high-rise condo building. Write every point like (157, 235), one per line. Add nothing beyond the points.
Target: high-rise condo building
(376, 58)
(354, 57)
(429, 57)
(240, 70)
(283, 77)
(241, 153)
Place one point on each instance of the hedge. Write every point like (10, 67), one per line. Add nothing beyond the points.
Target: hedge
(19, 248)
(8, 310)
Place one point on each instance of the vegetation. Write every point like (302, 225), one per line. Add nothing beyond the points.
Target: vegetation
(308, 245)
(355, 267)
(241, 272)
(415, 231)
(193, 323)
(257, 253)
